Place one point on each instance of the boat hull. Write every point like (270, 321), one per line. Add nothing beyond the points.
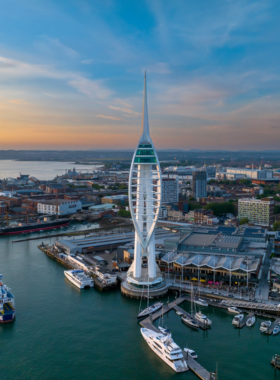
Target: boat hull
(189, 323)
(34, 228)
(7, 318)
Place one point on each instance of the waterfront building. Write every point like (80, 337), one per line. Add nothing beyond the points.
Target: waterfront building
(145, 201)
(258, 211)
(199, 182)
(59, 207)
(170, 190)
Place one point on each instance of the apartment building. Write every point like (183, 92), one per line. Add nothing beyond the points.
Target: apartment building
(258, 211)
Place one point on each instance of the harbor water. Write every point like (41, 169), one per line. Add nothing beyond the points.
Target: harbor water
(61, 332)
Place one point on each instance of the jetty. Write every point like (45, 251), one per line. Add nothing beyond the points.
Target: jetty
(194, 366)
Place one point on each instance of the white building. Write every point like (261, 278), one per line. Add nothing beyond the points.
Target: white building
(258, 211)
(170, 190)
(59, 207)
(237, 173)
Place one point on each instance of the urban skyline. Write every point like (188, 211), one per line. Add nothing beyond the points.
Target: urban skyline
(71, 74)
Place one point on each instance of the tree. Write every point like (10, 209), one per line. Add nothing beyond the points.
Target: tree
(276, 225)
(276, 209)
(243, 221)
(124, 213)
(220, 209)
(192, 199)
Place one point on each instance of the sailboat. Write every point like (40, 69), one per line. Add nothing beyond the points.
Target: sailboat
(189, 320)
(149, 309)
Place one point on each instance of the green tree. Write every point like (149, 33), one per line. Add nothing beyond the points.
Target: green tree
(124, 213)
(243, 221)
(276, 225)
(220, 209)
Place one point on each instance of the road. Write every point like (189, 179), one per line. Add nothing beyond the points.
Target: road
(262, 290)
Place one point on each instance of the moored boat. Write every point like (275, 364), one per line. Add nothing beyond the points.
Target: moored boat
(265, 326)
(201, 302)
(189, 321)
(166, 349)
(276, 330)
(7, 303)
(234, 310)
(237, 319)
(202, 318)
(150, 310)
(79, 278)
(191, 353)
(251, 321)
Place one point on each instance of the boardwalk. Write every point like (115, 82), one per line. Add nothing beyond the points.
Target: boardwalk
(147, 323)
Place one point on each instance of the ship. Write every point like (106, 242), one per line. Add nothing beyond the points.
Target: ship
(33, 227)
(7, 303)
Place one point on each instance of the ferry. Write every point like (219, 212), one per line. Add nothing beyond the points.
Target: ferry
(166, 349)
(79, 278)
(7, 304)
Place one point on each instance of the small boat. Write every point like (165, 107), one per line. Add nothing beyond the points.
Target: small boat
(237, 319)
(191, 353)
(265, 326)
(150, 310)
(234, 310)
(276, 330)
(201, 302)
(163, 330)
(202, 318)
(179, 313)
(189, 321)
(251, 321)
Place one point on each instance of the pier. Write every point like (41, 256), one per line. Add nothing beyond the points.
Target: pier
(194, 366)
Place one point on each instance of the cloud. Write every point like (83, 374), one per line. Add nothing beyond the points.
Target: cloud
(125, 110)
(108, 117)
(87, 61)
(10, 69)
(158, 68)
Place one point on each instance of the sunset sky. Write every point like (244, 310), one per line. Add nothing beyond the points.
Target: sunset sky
(71, 73)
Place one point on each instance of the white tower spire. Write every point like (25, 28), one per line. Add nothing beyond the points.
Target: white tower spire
(145, 120)
(144, 199)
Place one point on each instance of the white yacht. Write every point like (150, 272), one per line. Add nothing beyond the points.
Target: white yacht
(276, 330)
(150, 310)
(251, 321)
(237, 319)
(202, 318)
(201, 302)
(79, 278)
(191, 353)
(234, 310)
(166, 349)
(163, 330)
(265, 326)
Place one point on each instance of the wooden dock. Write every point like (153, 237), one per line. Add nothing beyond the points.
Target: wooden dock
(270, 330)
(147, 323)
(244, 320)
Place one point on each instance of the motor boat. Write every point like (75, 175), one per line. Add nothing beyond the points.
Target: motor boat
(165, 347)
(202, 318)
(201, 302)
(234, 310)
(179, 313)
(191, 353)
(265, 326)
(237, 319)
(163, 330)
(251, 321)
(150, 310)
(189, 321)
(276, 330)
